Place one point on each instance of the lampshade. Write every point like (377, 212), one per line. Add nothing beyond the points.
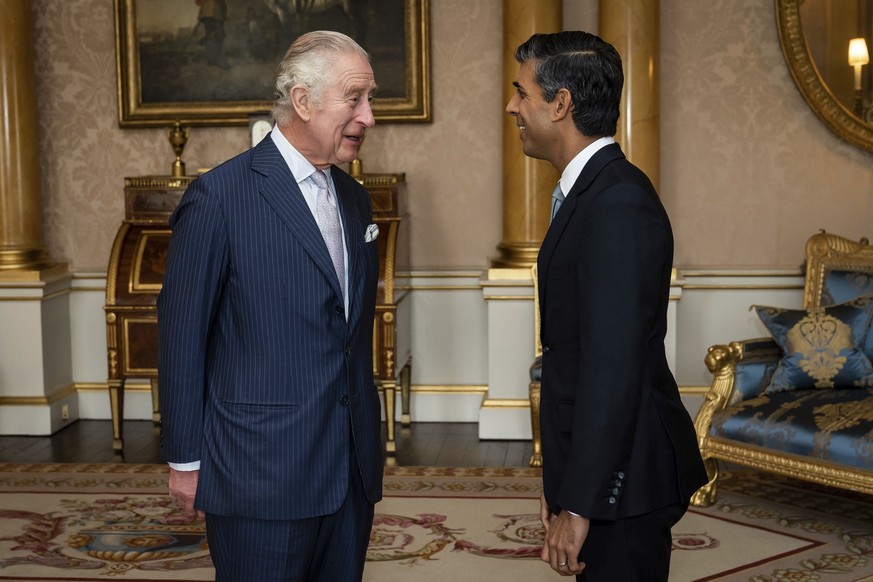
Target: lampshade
(858, 54)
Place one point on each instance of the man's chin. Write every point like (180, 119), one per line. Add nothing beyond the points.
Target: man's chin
(347, 155)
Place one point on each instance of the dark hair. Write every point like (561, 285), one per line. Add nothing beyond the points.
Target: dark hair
(588, 67)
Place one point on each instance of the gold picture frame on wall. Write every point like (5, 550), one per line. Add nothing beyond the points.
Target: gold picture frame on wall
(213, 62)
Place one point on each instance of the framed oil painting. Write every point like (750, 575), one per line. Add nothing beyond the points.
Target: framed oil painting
(213, 62)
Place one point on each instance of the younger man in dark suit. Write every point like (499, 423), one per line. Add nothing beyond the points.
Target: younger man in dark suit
(620, 457)
(270, 418)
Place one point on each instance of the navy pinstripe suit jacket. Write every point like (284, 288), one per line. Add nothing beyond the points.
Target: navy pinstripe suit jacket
(262, 377)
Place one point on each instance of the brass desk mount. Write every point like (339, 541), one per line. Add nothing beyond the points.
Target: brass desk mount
(178, 137)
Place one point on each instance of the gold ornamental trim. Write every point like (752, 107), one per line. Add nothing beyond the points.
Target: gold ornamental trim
(159, 182)
(380, 180)
(817, 470)
(732, 273)
(742, 287)
(437, 288)
(449, 388)
(38, 400)
(128, 370)
(506, 403)
(114, 261)
(693, 390)
(388, 284)
(134, 285)
(508, 298)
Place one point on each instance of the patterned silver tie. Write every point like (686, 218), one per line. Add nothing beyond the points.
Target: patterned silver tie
(557, 199)
(329, 224)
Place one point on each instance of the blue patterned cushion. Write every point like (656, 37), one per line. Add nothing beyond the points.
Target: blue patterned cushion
(822, 345)
(752, 378)
(842, 286)
(834, 425)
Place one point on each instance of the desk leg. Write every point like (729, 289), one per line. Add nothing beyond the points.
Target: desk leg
(405, 374)
(536, 459)
(388, 390)
(116, 406)
(156, 407)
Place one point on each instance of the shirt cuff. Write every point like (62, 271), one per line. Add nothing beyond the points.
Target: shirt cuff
(192, 466)
(571, 513)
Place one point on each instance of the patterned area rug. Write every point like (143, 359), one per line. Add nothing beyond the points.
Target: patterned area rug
(96, 522)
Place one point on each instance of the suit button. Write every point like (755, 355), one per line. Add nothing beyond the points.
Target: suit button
(612, 500)
(344, 400)
(546, 350)
(348, 353)
(339, 310)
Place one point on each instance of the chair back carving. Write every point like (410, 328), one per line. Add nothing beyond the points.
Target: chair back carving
(837, 270)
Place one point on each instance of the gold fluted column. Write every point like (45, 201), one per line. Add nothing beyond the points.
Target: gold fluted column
(21, 245)
(632, 27)
(527, 183)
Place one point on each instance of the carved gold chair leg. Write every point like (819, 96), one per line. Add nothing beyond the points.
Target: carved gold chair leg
(536, 459)
(389, 390)
(705, 496)
(116, 408)
(405, 374)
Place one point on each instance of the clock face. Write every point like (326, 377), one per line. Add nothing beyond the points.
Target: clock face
(259, 130)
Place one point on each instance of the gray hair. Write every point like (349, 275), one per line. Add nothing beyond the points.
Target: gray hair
(309, 61)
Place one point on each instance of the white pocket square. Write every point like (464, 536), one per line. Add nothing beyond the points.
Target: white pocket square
(372, 233)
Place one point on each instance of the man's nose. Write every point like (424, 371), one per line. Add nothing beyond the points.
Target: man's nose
(365, 117)
(511, 109)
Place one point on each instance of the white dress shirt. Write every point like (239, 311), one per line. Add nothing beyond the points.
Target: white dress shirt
(577, 164)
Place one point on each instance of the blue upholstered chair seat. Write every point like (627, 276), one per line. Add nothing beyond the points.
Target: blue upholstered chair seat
(834, 425)
(536, 370)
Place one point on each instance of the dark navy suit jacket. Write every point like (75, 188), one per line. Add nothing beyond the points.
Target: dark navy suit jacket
(262, 377)
(617, 440)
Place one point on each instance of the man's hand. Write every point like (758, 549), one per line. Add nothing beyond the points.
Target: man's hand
(183, 486)
(545, 516)
(565, 534)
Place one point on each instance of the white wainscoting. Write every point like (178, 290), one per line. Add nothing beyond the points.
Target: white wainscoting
(472, 344)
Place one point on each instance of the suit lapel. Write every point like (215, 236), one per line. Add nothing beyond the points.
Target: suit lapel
(591, 170)
(279, 188)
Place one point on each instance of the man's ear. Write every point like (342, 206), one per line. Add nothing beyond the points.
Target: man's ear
(300, 101)
(562, 105)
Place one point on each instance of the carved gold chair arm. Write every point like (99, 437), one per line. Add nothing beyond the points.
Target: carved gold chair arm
(722, 361)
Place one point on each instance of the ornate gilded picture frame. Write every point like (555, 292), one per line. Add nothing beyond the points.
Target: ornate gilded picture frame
(213, 62)
(835, 115)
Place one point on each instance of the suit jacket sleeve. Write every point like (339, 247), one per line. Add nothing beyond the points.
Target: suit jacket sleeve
(626, 240)
(197, 263)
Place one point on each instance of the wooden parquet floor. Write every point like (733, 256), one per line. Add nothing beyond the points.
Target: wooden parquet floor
(431, 444)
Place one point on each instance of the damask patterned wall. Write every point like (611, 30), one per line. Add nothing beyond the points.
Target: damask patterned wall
(748, 172)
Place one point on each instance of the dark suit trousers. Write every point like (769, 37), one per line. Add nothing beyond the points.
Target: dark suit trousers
(330, 548)
(635, 549)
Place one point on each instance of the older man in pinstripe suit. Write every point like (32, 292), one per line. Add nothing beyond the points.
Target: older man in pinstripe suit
(270, 416)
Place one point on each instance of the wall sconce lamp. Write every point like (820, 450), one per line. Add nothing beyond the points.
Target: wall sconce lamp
(858, 57)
